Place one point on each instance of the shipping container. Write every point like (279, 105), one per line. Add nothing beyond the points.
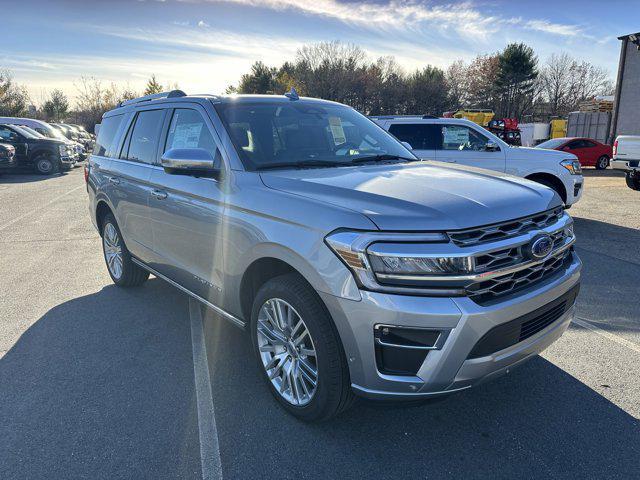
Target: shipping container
(589, 124)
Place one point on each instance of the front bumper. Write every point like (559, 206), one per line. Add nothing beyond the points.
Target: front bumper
(464, 322)
(574, 187)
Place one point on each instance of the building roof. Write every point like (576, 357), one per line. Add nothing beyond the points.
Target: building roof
(637, 34)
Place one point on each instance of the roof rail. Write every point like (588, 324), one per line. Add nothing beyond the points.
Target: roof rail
(154, 96)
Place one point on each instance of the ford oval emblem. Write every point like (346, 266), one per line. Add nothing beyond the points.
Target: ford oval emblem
(540, 247)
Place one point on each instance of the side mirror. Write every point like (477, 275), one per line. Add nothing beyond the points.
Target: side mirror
(196, 162)
(407, 145)
(492, 147)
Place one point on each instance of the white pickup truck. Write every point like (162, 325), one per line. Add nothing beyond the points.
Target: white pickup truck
(626, 157)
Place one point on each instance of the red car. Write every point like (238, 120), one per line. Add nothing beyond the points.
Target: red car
(591, 153)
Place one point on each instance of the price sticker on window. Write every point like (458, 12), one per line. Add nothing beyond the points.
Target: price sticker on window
(335, 124)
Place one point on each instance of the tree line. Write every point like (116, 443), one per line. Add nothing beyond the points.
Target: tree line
(511, 82)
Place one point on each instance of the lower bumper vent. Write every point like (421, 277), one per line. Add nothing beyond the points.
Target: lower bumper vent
(508, 334)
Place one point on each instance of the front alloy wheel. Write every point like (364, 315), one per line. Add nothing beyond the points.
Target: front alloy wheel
(287, 352)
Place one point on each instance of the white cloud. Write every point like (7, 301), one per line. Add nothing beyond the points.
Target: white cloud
(203, 24)
(553, 28)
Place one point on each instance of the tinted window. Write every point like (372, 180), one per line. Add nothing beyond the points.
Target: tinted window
(575, 144)
(7, 134)
(106, 135)
(461, 137)
(419, 136)
(144, 136)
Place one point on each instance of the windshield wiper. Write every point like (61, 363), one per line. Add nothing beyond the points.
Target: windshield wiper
(382, 157)
(303, 164)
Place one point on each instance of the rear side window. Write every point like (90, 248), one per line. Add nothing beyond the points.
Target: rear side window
(143, 139)
(420, 136)
(105, 142)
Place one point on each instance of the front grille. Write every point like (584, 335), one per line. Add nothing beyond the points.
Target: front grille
(513, 332)
(501, 231)
(487, 290)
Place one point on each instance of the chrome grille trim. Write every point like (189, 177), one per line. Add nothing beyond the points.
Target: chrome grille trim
(504, 230)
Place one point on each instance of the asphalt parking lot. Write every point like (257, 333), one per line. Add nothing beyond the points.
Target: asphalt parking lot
(98, 382)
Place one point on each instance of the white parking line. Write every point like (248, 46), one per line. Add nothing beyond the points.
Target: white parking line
(209, 446)
(31, 212)
(584, 323)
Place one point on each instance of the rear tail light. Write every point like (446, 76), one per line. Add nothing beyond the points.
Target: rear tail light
(615, 148)
(86, 173)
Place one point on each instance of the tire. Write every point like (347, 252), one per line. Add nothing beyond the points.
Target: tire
(320, 348)
(602, 163)
(633, 182)
(45, 165)
(121, 268)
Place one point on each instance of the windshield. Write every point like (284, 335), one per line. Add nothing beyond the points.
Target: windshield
(31, 131)
(268, 135)
(551, 144)
(24, 132)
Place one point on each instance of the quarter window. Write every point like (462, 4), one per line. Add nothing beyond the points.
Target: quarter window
(461, 137)
(144, 136)
(106, 136)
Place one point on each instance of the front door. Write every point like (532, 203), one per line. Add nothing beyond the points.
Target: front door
(469, 146)
(7, 135)
(188, 211)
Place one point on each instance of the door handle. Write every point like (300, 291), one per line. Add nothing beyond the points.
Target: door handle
(159, 194)
(114, 180)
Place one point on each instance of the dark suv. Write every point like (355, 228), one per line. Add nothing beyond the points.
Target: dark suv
(45, 155)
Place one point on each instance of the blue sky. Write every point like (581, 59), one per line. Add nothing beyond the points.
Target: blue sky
(206, 45)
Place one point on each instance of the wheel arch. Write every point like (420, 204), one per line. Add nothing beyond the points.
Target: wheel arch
(102, 210)
(544, 178)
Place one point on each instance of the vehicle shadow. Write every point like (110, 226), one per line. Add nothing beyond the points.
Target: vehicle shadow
(101, 386)
(609, 172)
(537, 422)
(27, 177)
(609, 293)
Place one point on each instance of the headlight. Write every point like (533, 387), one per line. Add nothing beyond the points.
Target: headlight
(62, 149)
(377, 259)
(573, 166)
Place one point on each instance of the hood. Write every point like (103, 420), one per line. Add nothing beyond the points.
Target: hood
(418, 197)
(543, 153)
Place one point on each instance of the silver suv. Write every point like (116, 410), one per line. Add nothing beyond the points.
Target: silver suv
(356, 268)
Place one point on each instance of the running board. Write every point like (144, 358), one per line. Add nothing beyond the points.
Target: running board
(232, 318)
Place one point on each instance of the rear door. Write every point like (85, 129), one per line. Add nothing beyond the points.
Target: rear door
(129, 176)
(469, 146)
(423, 137)
(188, 211)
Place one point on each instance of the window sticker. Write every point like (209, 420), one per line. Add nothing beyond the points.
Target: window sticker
(456, 135)
(337, 131)
(187, 135)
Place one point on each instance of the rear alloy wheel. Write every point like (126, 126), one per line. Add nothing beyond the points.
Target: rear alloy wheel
(602, 163)
(45, 165)
(121, 268)
(299, 351)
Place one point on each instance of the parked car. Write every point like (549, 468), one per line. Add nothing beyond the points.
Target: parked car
(626, 157)
(72, 135)
(45, 129)
(356, 268)
(591, 153)
(45, 155)
(456, 140)
(7, 157)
